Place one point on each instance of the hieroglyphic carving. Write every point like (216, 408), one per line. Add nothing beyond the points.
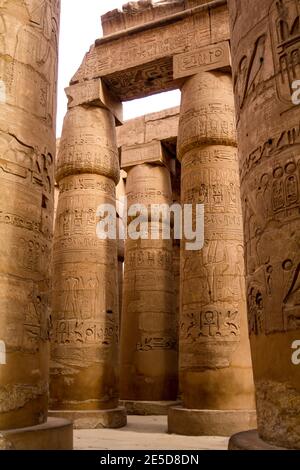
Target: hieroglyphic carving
(148, 333)
(281, 35)
(136, 83)
(74, 332)
(84, 347)
(28, 70)
(34, 44)
(212, 324)
(138, 49)
(18, 395)
(213, 57)
(159, 344)
(285, 140)
(218, 323)
(140, 64)
(269, 144)
(84, 150)
(284, 24)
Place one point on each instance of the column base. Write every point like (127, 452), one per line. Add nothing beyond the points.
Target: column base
(148, 408)
(55, 434)
(93, 419)
(250, 440)
(209, 422)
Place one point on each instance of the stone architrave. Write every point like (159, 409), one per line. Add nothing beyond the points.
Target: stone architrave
(137, 59)
(266, 51)
(212, 57)
(84, 381)
(151, 152)
(94, 92)
(28, 76)
(214, 354)
(148, 334)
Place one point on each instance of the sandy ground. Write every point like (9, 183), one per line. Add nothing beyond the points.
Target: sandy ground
(144, 433)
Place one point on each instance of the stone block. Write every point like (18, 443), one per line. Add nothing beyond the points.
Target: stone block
(212, 57)
(94, 92)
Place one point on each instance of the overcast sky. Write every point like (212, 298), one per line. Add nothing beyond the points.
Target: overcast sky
(80, 26)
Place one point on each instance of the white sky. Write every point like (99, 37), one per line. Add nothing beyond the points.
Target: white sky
(80, 26)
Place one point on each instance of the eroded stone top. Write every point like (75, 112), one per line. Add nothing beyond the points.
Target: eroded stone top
(143, 11)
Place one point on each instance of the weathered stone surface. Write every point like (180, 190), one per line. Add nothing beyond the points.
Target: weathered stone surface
(84, 369)
(28, 72)
(132, 132)
(88, 146)
(94, 419)
(141, 63)
(148, 408)
(148, 332)
(55, 434)
(250, 440)
(143, 11)
(209, 422)
(212, 57)
(214, 354)
(265, 51)
(161, 126)
(152, 152)
(95, 93)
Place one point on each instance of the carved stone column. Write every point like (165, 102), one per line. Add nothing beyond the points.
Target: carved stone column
(176, 190)
(28, 72)
(266, 44)
(176, 195)
(214, 354)
(148, 333)
(84, 381)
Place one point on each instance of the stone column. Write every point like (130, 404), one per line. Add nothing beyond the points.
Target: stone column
(84, 381)
(214, 354)
(266, 44)
(176, 196)
(28, 72)
(148, 333)
(121, 255)
(176, 190)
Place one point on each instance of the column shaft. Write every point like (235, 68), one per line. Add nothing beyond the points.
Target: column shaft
(214, 353)
(148, 333)
(266, 44)
(84, 372)
(28, 77)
